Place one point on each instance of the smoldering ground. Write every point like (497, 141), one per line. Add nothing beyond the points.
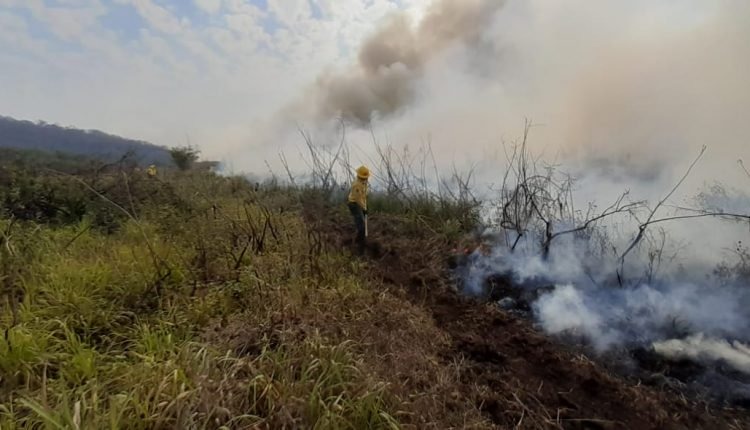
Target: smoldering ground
(664, 299)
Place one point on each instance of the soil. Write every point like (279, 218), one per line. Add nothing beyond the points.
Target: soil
(525, 379)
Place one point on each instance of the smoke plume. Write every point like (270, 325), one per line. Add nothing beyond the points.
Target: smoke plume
(391, 61)
(622, 92)
(700, 348)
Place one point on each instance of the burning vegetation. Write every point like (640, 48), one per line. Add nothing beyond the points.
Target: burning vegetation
(623, 295)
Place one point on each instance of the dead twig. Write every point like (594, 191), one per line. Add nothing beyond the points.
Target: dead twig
(650, 219)
(744, 169)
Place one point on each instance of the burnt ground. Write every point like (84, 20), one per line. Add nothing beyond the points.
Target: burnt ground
(517, 376)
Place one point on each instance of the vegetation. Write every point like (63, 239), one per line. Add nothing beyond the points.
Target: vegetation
(190, 300)
(184, 156)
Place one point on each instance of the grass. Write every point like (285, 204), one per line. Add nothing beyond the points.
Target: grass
(212, 304)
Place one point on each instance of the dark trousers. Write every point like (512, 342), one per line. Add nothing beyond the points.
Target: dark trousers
(359, 224)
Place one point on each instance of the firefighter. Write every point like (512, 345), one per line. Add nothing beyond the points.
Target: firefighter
(151, 170)
(358, 206)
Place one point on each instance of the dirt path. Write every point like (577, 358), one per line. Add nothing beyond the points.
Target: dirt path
(525, 379)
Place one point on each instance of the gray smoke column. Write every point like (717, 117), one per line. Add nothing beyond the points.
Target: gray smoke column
(391, 61)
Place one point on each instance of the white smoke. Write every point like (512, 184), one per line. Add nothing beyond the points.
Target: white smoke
(700, 348)
(566, 312)
(638, 316)
(579, 293)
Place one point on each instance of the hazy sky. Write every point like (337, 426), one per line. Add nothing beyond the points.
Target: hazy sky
(163, 69)
(614, 83)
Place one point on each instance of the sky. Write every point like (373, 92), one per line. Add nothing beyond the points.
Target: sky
(630, 89)
(172, 70)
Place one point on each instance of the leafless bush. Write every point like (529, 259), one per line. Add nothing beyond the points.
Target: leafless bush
(322, 161)
(736, 269)
(536, 201)
(408, 179)
(681, 213)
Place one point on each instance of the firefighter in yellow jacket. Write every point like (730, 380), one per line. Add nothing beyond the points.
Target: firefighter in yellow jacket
(358, 205)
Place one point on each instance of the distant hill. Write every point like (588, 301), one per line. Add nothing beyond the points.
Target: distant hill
(41, 136)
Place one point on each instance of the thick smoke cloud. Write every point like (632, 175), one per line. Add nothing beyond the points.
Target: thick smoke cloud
(391, 61)
(623, 92)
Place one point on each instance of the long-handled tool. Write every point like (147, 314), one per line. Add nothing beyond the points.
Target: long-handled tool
(366, 232)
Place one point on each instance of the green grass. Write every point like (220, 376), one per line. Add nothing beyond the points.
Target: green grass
(108, 323)
(189, 301)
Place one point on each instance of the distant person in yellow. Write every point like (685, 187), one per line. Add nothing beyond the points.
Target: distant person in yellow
(358, 206)
(151, 170)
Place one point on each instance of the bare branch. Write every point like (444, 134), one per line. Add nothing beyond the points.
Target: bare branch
(650, 220)
(285, 163)
(615, 208)
(742, 166)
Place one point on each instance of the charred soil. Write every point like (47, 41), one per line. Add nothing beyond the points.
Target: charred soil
(514, 375)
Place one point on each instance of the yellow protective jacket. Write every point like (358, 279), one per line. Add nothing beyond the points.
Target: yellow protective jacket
(358, 194)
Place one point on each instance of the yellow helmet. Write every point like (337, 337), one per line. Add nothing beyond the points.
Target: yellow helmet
(363, 172)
